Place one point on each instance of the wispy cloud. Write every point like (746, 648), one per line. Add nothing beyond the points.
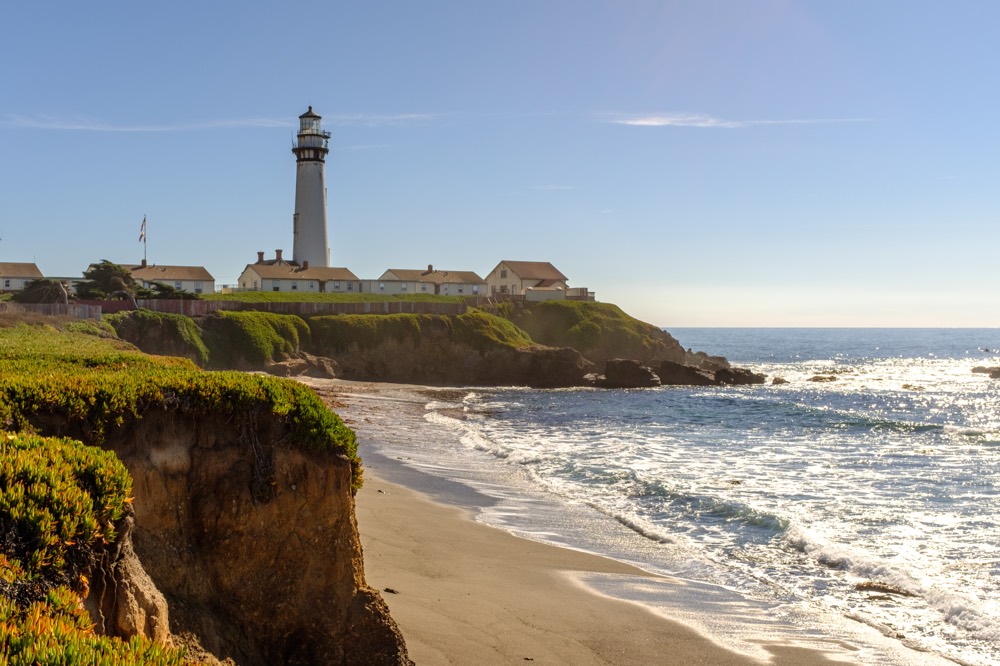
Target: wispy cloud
(84, 124)
(706, 121)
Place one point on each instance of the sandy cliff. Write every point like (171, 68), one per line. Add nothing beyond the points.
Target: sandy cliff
(251, 541)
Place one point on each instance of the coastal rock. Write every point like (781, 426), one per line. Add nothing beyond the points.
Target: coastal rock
(123, 601)
(992, 371)
(704, 361)
(676, 374)
(778, 380)
(822, 378)
(301, 364)
(628, 373)
(738, 377)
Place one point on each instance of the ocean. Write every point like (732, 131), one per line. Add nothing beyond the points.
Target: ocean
(856, 504)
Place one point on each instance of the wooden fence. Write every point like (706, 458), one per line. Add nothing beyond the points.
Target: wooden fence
(194, 308)
(75, 310)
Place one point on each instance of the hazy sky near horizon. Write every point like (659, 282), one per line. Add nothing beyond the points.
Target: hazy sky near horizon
(709, 163)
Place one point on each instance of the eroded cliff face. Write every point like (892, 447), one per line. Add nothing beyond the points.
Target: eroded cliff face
(436, 359)
(252, 542)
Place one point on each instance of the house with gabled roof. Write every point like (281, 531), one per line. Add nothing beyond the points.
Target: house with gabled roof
(430, 281)
(14, 276)
(533, 281)
(192, 279)
(279, 274)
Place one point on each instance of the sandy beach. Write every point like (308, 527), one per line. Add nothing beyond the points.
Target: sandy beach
(466, 593)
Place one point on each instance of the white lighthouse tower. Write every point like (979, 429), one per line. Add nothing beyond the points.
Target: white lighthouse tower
(311, 243)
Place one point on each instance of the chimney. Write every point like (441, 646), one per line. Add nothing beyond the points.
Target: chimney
(260, 257)
(277, 255)
(143, 265)
(430, 269)
(305, 265)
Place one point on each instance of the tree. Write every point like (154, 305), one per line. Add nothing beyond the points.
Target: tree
(43, 290)
(108, 280)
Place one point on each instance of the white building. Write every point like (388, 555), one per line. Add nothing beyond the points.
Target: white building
(430, 281)
(534, 281)
(279, 274)
(311, 243)
(15, 276)
(193, 279)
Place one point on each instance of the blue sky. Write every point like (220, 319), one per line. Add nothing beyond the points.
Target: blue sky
(709, 163)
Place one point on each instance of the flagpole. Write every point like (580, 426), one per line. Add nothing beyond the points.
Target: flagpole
(142, 237)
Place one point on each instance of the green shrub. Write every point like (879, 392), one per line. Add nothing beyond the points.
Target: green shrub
(335, 334)
(599, 331)
(238, 338)
(160, 332)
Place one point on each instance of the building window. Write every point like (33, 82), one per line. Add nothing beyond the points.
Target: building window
(336, 285)
(503, 273)
(446, 289)
(198, 288)
(177, 285)
(460, 288)
(350, 286)
(312, 286)
(295, 285)
(475, 289)
(275, 285)
(255, 285)
(381, 286)
(423, 287)
(6, 283)
(402, 287)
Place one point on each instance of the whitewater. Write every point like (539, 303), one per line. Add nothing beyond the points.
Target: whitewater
(858, 499)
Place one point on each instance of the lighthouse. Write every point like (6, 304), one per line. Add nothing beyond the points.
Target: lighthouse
(311, 243)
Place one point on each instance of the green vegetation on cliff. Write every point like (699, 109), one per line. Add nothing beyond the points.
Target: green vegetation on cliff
(479, 330)
(95, 383)
(599, 331)
(160, 333)
(59, 503)
(247, 337)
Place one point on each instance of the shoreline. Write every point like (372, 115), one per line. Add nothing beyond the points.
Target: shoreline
(466, 592)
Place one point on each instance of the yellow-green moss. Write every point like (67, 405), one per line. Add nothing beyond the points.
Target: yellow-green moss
(335, 334)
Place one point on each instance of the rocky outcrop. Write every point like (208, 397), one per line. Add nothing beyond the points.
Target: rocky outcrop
(122, 599)
(738, 377)
(993, 372)
(627, 373)
(301, 364)
(675, 374)
(251, 540)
